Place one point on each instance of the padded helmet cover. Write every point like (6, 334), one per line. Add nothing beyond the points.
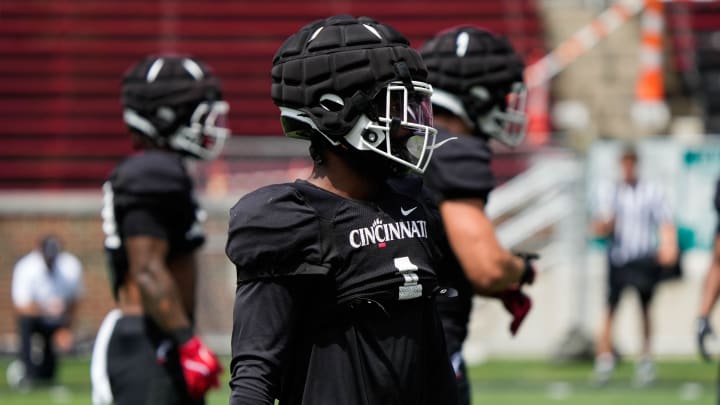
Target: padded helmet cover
(353, 58)
(463, 58)
(175, 101)
(173, 86)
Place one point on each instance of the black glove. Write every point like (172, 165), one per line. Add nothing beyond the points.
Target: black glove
(529, 272)
(703, 331)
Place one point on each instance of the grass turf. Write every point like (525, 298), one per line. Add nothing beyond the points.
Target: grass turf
(510, 382)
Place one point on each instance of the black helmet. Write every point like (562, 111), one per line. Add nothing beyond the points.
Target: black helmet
(357, 82)
(176, 101)
(478, 77)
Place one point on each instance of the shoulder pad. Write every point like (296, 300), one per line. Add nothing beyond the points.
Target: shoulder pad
(152, 172)
(273, 232)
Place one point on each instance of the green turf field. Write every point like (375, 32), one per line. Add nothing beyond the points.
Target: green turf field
(496, 382)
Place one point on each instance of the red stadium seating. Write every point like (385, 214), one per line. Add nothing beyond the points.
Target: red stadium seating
(62, 60)
(694, 30)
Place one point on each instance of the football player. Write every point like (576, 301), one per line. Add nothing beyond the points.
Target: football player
(711, 290)
(478, 95)
(146, 351)
(337, 274)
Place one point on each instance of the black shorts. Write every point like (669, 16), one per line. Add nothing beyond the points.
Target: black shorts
(641, 274)
(123, 361)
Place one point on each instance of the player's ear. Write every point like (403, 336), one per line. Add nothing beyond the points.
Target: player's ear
(318, 152)
(316, 156)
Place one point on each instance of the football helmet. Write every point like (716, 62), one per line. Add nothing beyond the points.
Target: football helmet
(356, 82)
(176, 102)
(478, 77)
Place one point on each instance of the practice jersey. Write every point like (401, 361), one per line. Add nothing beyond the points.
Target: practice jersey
(349, 287)
(459, 169)
(149, 194)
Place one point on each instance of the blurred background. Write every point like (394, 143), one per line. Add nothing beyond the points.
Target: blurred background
(600, 73)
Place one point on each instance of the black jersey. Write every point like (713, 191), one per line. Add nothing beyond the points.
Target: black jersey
(151, 194)
(335, 300)
(459, 169)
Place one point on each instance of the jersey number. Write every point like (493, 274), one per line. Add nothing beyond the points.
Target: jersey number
(112, 239)
(411, 289)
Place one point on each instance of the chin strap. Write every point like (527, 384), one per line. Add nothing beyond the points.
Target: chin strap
(403, 73)
(394, 127)
(364, 104)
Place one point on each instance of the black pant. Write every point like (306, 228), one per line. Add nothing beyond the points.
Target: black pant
(134, 375)
(130, 361)
(42, 368)
(167, 385)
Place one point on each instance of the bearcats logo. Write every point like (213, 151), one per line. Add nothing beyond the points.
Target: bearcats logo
(381, 233)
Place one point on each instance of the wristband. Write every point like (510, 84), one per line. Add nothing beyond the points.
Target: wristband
(528, 274)
(182, 335)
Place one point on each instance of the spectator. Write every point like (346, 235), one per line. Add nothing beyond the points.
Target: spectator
(46, 285)
(635, 216)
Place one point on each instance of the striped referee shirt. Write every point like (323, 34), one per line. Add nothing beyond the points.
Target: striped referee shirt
(638, 211)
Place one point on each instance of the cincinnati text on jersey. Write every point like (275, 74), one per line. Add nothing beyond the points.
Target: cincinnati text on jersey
(380, 233)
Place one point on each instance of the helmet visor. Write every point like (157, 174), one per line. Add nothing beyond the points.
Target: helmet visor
(405, 115)
(412, 107)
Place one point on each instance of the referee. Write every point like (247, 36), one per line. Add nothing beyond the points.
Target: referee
(635, 217)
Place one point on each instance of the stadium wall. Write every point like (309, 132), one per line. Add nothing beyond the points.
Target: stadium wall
(75, 217)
